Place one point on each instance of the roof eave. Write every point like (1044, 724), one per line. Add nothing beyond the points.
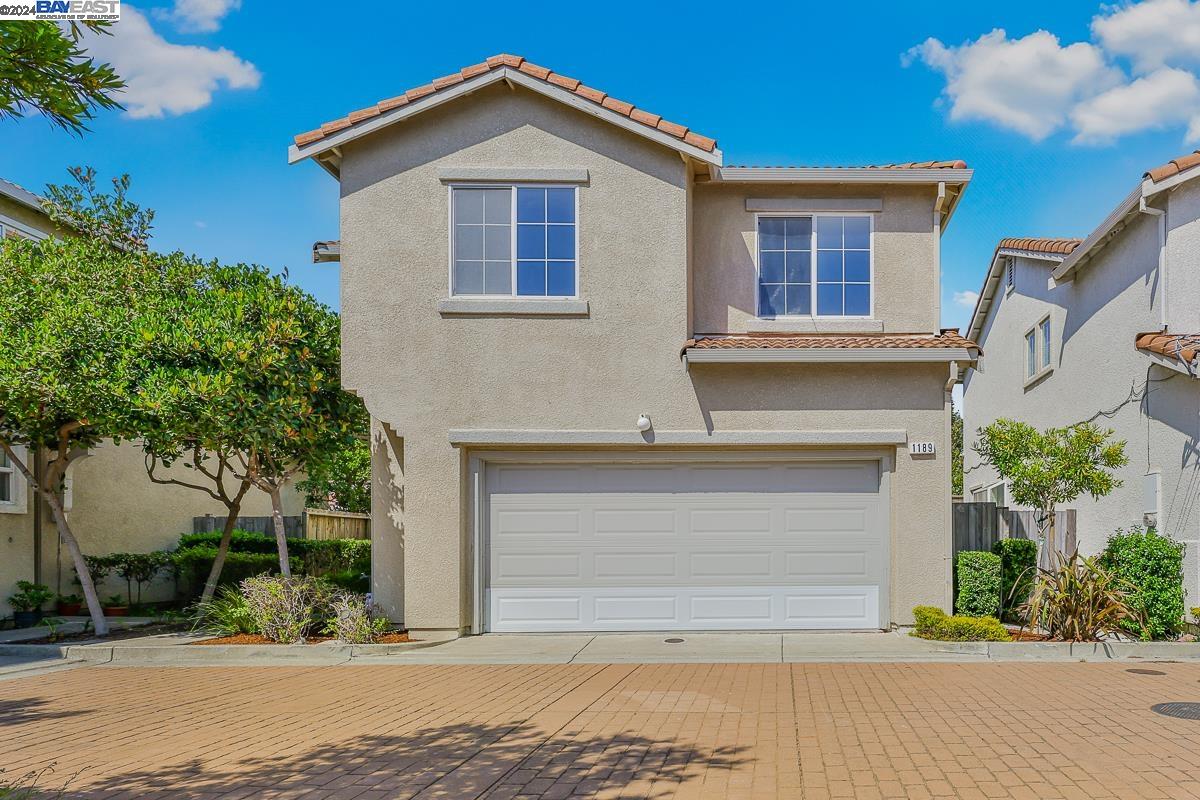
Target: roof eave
(298, 153)
(991, 282)
(1192, 370)
(21, 196)
(827, 355)
(843, 175)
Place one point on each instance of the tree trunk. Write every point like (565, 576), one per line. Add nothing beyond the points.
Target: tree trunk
(214, 574)
(99, 621)
(285, 568)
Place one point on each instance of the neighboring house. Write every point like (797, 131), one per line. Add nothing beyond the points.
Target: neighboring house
(618, 385)
(113, 505)
(1105, 330)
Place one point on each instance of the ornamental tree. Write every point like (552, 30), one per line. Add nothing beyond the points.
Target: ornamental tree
(1047, 468)
(74, 339)
(343, 483)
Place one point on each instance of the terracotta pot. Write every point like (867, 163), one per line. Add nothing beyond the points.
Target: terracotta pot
(69, 609)
(116, 611)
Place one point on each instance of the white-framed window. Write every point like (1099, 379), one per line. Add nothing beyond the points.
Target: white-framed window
(12, 484)
(818, 265)
(1038, 344)
(979, 494)
(516, 240)
(997, 493)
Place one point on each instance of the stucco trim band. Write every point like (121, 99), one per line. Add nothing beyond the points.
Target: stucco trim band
(511, 175)
(516, 307)
(485, 437)
(842, 175)
(826, 355)
(802, 204)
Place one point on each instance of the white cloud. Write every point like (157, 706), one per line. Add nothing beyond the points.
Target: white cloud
(199, 16)
(1166, 97)
(966, 299)
(1151, 33)
(1027, 84)
(164, 78)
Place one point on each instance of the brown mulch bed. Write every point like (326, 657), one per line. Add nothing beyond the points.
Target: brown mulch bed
(91, 638)
(1019, 635)
(254, 638)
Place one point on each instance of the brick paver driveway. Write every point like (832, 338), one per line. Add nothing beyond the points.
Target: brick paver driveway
(665, 730)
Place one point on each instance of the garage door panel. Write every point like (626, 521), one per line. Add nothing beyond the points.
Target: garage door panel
(685, 546)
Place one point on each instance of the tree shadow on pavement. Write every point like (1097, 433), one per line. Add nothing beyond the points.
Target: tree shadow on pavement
(18, 712)
(454, 761)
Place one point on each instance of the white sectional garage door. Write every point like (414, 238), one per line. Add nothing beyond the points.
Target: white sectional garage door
(685, 546)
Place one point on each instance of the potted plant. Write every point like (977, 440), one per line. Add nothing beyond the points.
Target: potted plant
(115, 606)
(27, 603)
(69, 605)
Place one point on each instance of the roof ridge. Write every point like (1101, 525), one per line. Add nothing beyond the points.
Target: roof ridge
(1174, 166)
(520, 63)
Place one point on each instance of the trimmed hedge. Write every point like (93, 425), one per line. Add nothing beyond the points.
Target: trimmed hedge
(1018, 570)
(314, 556)
(1152, 566)
(195, 562)
(978, 584)
(933, 623)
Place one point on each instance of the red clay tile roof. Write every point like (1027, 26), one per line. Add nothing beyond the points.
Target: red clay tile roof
(954, 164)
(572, 85)
(949, 338)
(1174, 166)
(1182, 346)
(1061, 247)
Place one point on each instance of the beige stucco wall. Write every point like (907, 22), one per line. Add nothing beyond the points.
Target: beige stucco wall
(1100, 376)
(115, 508)
(905, 257)
(422, 373)
(27, 217)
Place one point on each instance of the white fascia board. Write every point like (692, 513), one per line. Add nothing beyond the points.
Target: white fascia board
(298, 153)
(1097, 238)
(21, 195)
(983, 305)
(611, 438)
(826, 355)
(1035, 254)
(843, 175)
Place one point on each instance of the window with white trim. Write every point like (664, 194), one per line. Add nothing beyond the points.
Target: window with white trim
(8, 479)
(1038, 348)
(513, 241)
(814, 265)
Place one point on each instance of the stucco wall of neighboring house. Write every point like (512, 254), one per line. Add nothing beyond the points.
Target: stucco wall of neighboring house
(1098, 375)
(1183, 257)
(423, 374)
(905, 258)
(26, 217)
(116, 508)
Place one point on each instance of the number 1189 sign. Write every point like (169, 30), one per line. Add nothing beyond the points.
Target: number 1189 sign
(921, 448)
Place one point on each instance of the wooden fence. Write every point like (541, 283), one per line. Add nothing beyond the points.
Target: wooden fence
(292, 526)
(978, 526)
(322, 524)
(313, 524)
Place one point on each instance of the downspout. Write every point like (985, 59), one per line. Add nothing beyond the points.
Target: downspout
(948, 477)
(939, 206)
(1144, 208)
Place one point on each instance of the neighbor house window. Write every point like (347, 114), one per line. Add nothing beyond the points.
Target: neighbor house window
(996, 494)
(8, 478)
(513, 241)
(1037, 349)
(814, 265)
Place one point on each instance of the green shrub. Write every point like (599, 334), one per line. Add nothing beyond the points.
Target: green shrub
(1151, 566)
(352, 622)
(933, 623)
(313, 556)
(140, 569)
(194, 564)
(227, 614)
(1077, 600)
(288, 610)
(1018, 570)
(350, 580)
(978, 584)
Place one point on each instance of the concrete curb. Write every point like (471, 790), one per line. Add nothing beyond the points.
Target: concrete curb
(129, 652)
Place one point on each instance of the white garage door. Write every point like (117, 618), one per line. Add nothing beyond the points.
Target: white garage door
(685, 546)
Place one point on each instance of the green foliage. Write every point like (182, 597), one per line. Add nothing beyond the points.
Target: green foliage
(956, 452)
(51, 624)
(1018, 569)
(45, 68)
(311, 556)
(30, 596)
(978, 584)
(140, 569)
(1078, 600)
(288, 610)
(352, 622)
(226, 614)
(933, 623)
(343, 481)
(194, 564)
(109, 219)
(1046, 468)
(350, 580)
(1152, 567)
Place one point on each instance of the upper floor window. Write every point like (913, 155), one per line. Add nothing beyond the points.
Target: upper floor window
(8, 478)
(835, 282)
(1037, 349)
(513, 241)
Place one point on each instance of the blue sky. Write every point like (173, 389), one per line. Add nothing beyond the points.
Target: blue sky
(1058, 125)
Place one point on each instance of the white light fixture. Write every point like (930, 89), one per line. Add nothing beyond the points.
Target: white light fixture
(643, 423)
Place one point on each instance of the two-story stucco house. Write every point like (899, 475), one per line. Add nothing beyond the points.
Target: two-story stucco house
(112, 503)
(1106, 330)
(619, 385)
